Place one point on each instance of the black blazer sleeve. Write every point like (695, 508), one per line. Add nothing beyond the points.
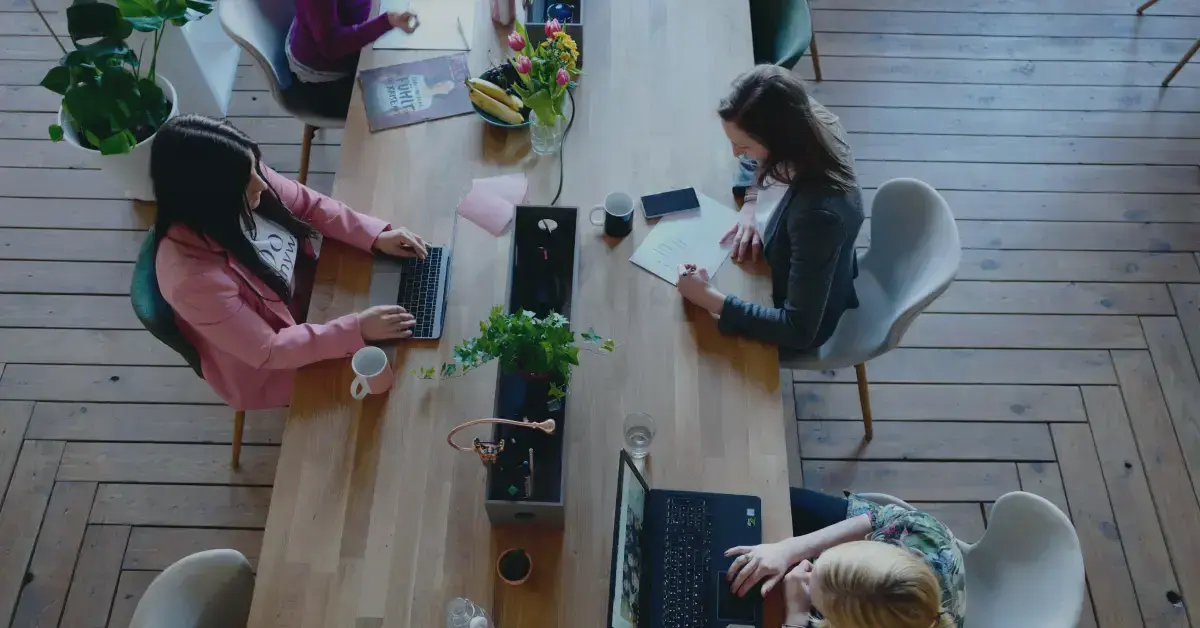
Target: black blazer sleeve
(816, 237)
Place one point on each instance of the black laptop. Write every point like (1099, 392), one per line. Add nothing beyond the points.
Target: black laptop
(669, 564)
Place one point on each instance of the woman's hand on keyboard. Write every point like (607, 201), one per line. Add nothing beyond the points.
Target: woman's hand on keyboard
(767, 563)
(401, 243)
(385, 322)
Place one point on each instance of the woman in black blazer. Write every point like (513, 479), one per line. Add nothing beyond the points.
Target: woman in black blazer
(802, 212)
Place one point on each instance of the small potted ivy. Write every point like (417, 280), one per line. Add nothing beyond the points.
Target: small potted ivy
(112, 106)
(537, 349)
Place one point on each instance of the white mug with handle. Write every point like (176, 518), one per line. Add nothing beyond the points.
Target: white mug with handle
(372, 373)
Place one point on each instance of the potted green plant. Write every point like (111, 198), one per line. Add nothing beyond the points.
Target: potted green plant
(538, 349)
(111, 108)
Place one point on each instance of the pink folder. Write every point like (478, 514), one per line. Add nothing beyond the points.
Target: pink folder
(492, 202)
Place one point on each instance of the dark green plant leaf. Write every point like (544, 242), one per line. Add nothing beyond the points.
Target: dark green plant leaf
(56, 133)
(203, 7)
(89, 106)
(146, 24)
(106, 52)
(87, 21)
(154, 102)
(57, 80)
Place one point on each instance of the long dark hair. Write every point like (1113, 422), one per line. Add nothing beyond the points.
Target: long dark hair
(771, 105)
(200, 168)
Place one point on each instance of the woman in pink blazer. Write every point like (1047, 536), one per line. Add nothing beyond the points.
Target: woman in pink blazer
(232, 236)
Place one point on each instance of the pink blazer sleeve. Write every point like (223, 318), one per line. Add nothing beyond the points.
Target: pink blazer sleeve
(211, 302)
(329, 216)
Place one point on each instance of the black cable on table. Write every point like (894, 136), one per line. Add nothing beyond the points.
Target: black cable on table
(561, 146)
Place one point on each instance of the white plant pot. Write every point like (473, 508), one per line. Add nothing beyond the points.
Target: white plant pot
(131, 170)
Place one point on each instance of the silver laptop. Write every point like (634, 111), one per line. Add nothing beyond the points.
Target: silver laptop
(419, 286)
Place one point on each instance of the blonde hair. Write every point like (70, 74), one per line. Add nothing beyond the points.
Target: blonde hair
(870, 584)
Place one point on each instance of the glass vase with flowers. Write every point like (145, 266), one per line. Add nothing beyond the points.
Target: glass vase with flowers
(546, 71)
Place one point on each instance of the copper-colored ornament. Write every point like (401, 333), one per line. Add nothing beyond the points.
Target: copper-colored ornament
(488, 450)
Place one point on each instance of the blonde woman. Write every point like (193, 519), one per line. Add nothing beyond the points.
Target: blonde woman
(875, 566)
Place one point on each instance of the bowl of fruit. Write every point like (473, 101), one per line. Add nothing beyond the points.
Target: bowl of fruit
(495, 101)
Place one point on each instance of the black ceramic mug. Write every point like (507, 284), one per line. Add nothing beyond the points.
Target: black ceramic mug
(618, 215)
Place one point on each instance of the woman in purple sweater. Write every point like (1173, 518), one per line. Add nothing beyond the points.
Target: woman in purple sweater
(323, 46)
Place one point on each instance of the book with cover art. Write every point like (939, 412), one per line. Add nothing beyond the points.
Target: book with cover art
(408, 93)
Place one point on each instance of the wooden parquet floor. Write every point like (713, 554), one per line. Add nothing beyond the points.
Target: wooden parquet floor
(1062, 362)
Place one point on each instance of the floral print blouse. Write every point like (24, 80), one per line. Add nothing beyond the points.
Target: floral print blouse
(925, 536)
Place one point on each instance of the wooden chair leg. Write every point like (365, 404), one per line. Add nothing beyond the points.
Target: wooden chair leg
(1145, 6)
(816, 57)
(1182, 62)
(305, 150)
(239, 423)
(864, 399)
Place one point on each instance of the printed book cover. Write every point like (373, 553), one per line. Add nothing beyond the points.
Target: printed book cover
(408, 93)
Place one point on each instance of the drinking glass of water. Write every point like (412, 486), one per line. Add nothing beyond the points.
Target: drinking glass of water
(639, 431)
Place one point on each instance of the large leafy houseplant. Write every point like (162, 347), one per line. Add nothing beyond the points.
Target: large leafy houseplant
(106, 99)
(537, 348)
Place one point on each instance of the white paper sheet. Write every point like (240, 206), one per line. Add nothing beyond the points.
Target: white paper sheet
(690, 237)
(445, 25)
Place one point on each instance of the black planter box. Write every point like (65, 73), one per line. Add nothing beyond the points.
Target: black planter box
(543, 270)
(535, 23)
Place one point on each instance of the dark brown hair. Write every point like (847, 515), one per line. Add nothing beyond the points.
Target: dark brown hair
(771, 105)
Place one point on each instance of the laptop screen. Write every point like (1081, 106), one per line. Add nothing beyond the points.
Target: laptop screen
(627, 547)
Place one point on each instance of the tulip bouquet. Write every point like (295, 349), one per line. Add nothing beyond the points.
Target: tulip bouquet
(546, 71)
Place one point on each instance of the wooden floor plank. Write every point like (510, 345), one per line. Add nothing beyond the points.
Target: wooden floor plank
(932, 402)
(70, 245)
(66, 277)
(914, 481)
(284, 131)
(1007, 97)
(1079, 236)
(14, 420)
(995, 71)
(976, 366)
(159, 548)
(991, 7)
(35, 48)
(1187, 301)
(1013, 297)
(965, 520)
(1091, 266)
(21, 516)
(1017, 177)
(182, 464)
(1166, 470)
(912, 21)
(67, 311)
(74, 213)
(1043, 479)
(158, 423)
(946, 121)
(59, 540)
(95, 581)
(1141, 536)
(1180, 387)
(1017, 48)
(105, 383)
(183, 506)
(1071, 207)
(1022, 150)
(1103, 556)
(843, 440)
(39, 153)
(86, 346)
(130, 588)
(1017, 331)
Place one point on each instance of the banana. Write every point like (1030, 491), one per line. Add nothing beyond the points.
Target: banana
(495, 108)
(516, 102)
(489, 88)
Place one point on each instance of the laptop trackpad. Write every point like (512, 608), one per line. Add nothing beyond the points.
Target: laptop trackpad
(730, 607)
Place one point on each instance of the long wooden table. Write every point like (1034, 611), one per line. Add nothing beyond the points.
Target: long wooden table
(374, 520)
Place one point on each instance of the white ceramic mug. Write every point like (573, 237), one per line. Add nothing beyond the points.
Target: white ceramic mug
(372, 373)
(615, 215)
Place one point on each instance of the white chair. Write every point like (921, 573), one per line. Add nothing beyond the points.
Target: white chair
(1027, 570)
(211, 589)
(912, 258)
(260, 27)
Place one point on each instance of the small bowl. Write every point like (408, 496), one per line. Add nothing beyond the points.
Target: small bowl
(528, 569)
(494, 121)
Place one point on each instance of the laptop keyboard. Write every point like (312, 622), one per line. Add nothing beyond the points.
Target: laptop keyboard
(419, 290)
(687, 563)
